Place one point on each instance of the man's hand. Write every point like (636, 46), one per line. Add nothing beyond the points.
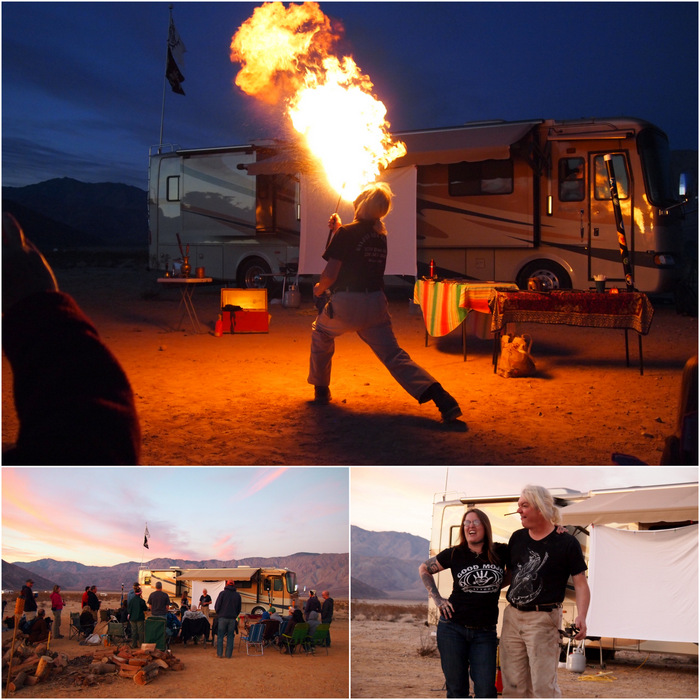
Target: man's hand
(580, 623)
(24, 269)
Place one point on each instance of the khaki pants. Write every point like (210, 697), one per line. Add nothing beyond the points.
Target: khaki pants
(530, 653)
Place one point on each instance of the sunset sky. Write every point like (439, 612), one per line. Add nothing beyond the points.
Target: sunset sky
(401, 499)
(97, 516)
(82, 82)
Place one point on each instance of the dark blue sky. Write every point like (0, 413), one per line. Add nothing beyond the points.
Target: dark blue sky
(82, 83)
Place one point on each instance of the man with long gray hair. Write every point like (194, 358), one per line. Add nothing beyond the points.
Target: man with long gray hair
(541, 561)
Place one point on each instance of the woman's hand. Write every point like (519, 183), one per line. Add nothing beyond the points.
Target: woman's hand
(444, 606)
(334, 223)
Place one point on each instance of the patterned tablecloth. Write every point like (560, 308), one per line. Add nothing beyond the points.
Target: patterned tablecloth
(446, 303)
(626, 310)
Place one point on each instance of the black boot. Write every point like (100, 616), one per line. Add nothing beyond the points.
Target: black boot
(448, 407)
(322, 395)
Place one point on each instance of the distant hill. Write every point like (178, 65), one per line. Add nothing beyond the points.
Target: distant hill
(14, 577)
(385, 564)
(65, 213)
(317, 571)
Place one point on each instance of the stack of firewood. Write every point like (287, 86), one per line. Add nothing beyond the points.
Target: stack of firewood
(143, 665)
(24, 665)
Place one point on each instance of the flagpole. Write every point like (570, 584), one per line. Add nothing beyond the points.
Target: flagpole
(165, 80)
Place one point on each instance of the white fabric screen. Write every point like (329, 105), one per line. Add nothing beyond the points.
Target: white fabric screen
(213, 589)
(644, 584)
(318, 202)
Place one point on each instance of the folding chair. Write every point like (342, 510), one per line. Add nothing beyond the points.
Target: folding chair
(298, 636)
(116, 631)
(74, 629)
(254, 639)
(319, 638)
(272, 628)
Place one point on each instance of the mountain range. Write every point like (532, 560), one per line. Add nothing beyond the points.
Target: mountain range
(65, 214)
(317, 571)
(385, 564)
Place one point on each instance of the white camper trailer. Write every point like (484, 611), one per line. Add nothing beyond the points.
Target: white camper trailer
(659, 519)
(488, 200)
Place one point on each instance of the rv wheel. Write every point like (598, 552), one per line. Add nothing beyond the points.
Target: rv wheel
(551, 274)
(257, 610)
(253, 272)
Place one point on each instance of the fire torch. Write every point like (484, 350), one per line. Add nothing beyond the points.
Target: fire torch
(621, 238)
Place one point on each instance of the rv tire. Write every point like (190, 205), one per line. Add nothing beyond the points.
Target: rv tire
(257, 610)
(251, 273)
(551, 274)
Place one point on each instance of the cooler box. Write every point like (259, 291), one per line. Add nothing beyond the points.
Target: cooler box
(253, 316)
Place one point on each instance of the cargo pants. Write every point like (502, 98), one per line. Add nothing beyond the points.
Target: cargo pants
(367, 314)
(529, 650)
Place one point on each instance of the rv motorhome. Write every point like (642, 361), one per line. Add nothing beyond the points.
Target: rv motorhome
(494, 201)
(259, 587)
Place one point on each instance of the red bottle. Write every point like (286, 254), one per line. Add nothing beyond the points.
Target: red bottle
(219, 327)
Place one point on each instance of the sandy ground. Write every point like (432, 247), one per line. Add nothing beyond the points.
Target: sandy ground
(244, 399)
(272, 675)
(386, 663)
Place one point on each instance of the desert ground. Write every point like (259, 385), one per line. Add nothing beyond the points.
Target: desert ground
(272, 675)
(393, 655)
(243, 399)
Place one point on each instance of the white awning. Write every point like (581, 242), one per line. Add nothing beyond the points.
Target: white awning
(241, 573)
(466, 143)
(671, 504)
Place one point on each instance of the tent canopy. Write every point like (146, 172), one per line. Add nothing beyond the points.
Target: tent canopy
(240, 573)
(466, 143)
(673, 503)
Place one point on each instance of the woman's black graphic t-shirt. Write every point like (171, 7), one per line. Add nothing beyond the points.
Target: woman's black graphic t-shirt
(476, 584)
(363, 253)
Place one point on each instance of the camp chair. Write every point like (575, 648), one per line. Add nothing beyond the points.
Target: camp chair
(74, 629)
(319, 638)
(298, 635)
(116, 631)
(254, 639)
(272, 628)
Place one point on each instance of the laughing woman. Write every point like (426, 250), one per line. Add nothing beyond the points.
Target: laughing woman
(466, 633)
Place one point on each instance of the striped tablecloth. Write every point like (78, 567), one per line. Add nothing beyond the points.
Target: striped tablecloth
(446, 303)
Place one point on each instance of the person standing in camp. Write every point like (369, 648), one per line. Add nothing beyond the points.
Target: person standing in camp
(354, 274)
(159, 601)
(541, 561)
(204, 601)
(93, 602)
(466, 632)
(57, 605)
(29, 600)
(312, 605)
(327, 611)
(228, 608)
(137, 617)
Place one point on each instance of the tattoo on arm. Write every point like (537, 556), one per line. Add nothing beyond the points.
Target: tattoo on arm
(431, 567)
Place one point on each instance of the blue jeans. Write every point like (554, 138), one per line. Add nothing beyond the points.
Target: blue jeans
(467, 652)
(227, 626)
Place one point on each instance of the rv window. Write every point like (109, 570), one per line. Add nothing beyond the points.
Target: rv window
(602, 185)
(572, 185)
(246, 583)
(173, 188)
(278, 584)
(484, 177)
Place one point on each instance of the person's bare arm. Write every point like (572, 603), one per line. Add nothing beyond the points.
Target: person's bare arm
(328, 276)
(583, 599)
(427, 571)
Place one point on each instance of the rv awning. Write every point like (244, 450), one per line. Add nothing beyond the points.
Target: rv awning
(243, 573)
(468, 143)
(673, 503)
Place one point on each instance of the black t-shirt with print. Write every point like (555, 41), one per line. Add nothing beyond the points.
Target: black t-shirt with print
(476, 584)
(363, 253)
(541, 568)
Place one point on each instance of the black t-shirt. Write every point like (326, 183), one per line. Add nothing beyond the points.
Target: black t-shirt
(541, 568)
(476, 584)
(363, 253)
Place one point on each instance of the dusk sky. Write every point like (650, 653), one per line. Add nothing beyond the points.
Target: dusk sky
(97, 516)
(82, 82)
(406, 494)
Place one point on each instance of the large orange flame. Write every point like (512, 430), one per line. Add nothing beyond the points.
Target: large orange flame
(286, 55)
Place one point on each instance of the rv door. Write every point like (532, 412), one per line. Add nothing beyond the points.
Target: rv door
(604, 251)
